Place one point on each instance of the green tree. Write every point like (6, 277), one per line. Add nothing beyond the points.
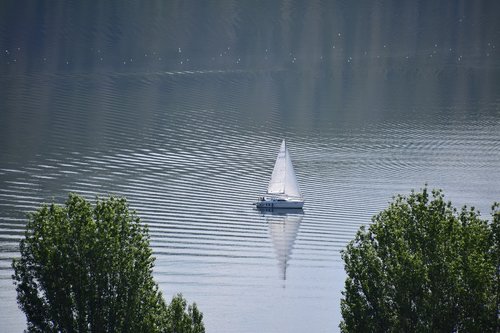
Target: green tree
(182, 320)
(423, 266)
(87, 268)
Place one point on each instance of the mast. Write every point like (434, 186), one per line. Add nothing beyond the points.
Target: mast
(284, 174)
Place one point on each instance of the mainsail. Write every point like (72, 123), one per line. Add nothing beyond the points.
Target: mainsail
(283, 180)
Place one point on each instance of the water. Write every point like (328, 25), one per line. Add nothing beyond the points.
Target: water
(181, 107)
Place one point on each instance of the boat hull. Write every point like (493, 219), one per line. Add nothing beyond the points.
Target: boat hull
(279, 203)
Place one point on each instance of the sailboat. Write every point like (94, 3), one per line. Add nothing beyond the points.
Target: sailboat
(283, 190)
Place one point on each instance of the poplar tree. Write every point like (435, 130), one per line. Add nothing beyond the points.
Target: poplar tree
(87, 268)
(423, 266)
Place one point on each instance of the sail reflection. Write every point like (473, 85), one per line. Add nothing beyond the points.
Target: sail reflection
(283, 226)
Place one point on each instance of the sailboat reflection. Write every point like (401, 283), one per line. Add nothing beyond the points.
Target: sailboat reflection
(283, 228)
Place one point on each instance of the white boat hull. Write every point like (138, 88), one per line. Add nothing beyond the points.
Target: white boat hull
(279, 203)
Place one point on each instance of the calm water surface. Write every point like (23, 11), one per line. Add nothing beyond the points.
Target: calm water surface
(181, 107)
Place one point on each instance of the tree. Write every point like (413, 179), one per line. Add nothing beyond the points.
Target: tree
(423, 266)
(89, 269)
(181, 321)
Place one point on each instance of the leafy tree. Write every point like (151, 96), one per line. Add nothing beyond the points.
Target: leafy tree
(89, 269)
(182, 320)
(423, 266)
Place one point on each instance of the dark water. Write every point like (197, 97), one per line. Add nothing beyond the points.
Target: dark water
(181, 106)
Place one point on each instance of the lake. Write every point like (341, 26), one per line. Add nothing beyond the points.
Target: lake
(181, 106)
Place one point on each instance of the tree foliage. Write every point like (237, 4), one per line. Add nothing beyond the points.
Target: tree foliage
(423, 266)
(87, 268)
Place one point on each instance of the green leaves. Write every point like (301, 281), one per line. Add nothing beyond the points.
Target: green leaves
(182, 321)
(88, 269)
(422, 266)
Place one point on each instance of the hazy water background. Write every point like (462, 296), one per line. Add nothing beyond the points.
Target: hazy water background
(181, 106)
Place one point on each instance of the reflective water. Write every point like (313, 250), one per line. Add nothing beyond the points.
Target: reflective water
(181, 107)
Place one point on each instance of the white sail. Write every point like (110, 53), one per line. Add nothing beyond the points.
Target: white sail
(283, 180)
